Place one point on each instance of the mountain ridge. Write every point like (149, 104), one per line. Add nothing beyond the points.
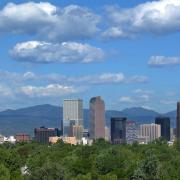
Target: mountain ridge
(24, 120)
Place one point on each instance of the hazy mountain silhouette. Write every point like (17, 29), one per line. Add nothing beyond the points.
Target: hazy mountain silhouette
(26, 119)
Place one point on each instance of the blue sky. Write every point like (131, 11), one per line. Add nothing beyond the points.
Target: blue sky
(126, 51)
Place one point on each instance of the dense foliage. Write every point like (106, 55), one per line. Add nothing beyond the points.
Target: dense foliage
(101, 161)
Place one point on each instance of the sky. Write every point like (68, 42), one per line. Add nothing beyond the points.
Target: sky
(125, 51)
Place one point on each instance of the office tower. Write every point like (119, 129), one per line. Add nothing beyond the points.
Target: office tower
(97, 118)
(131, 132)
(152, 131)
(23, 137)
(107, 134)
(86, 133)
(178, 122)
(77, 131)
(72, 115)
(118, 130)
(165, 127)
(172, 134)
(42, 134)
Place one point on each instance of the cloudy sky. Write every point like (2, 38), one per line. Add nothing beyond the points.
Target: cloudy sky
(126, 51)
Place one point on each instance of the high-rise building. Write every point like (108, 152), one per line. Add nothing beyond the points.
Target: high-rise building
(165, 127)
(153, 131)
(178, 122)
(107, 134)
(97, 118)
(118, 130)
(77, 131)
(131, 132)
(72, 115)
(42, 134)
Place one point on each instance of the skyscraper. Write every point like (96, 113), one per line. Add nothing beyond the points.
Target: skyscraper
(152, 131)
(97, 118)
(178, 122)
(72, 115)
(118, 130)
(165, 127)
(131, 132)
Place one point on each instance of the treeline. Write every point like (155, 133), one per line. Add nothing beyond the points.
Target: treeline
(101, 161)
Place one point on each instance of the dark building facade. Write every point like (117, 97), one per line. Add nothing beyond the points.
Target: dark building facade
(165, 126)
(178, 122)
(42, 134)
(118, 130)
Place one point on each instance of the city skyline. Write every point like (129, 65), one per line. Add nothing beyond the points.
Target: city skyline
(55, 50)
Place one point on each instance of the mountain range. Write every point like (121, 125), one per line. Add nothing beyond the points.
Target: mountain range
(24, 120)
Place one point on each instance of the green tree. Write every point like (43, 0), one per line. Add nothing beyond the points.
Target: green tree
(49, 171)
(4, 173)
(149, 168)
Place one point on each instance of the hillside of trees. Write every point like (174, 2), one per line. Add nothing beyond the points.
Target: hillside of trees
(101, 161)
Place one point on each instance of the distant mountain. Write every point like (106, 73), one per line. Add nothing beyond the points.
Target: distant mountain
(171, 114)
(139, 111)
(26, 119)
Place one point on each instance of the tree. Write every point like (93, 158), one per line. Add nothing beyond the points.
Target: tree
(49, 171)
(4, 173)
(149, 168)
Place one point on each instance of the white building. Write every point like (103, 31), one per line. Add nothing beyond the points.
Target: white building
(10, 139)
(72, 115)
(153, 131)
(107, 134)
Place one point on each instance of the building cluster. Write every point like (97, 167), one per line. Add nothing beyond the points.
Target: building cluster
(16, 138)
(121, 129)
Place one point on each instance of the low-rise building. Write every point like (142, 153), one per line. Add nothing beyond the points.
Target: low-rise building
(153, 131)
(22, 137)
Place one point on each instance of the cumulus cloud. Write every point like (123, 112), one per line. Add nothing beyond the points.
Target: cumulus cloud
(54, 78)
(29, 86)
(137, 79)
(155, 17)
(52, 90)
(142, 91)
(5, 91)
(66, 52)
(126, 99)
(144, 98)
(162, 61)
(48, 21)
(19, 88)
(168, 102)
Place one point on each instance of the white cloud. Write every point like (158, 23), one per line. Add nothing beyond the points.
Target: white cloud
(142, 91)
(126, 99)
(111, 78)
(138, 99)
(137, 79)
(17, 79)
(105, 78)
(144, 98)
(66, 52)
(5, 91)
(148, 108)
(155, 17)
(48, 21)
(114, 33)
(162, 61)
(52, 90)
(168, 102)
